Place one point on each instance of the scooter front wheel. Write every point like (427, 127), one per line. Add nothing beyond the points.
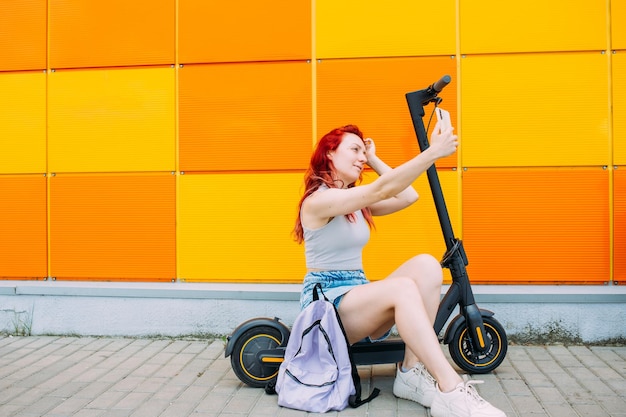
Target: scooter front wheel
(245, 359)
(470, 359)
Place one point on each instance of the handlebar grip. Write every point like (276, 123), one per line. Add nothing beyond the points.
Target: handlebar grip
(443, 81)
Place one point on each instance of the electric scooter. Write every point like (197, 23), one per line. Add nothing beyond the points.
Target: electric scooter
(477, 342)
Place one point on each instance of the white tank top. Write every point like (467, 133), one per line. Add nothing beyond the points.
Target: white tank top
(338, 245)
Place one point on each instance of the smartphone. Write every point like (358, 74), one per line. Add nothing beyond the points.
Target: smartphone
(443, 116)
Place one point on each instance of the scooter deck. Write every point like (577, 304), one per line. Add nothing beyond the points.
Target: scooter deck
(390, 350)
(363, 353)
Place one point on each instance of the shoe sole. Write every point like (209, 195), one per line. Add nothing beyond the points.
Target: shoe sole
(407, 394)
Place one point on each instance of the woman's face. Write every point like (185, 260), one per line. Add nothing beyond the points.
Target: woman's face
(349, 159)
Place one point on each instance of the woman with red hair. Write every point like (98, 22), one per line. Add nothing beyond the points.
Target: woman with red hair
(334, 221)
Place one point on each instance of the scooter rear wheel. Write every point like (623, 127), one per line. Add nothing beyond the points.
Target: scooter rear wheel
(470, 359)
(245, 361)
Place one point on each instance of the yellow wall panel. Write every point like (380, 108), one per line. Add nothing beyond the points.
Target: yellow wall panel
(22, 122)
(111, 33)
(243, 117)
(113, 227)
(535, 110)
(412, 231)
(23, 244)
(237, 227)
(533, 26)
(371, 28)
(619, 225)
(540, 225)
(619, 107)
(245, 30)
(618, 29)
(23, 35)
(370, 93)
(111, 120)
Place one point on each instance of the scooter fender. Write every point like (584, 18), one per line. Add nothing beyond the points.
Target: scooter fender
(256, 322)
(459, 321)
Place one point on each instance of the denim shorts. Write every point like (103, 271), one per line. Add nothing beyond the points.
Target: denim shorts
(335, 284)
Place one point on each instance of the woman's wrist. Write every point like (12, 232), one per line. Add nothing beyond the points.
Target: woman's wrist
(377, 164)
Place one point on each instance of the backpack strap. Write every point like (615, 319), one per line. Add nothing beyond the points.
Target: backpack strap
(317, 290)
(270, 387)
(355, 400)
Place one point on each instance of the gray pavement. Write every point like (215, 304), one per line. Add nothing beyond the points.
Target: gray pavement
(97, 377)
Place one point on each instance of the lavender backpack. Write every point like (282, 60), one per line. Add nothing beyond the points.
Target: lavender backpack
(318, 373)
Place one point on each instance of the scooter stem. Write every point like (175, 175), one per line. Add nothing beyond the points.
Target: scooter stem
(416, 102)
(455, 258)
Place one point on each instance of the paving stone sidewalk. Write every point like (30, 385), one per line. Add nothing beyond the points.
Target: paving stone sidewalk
(115, 377)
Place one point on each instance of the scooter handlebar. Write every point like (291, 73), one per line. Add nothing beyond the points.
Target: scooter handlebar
(419, 98)
(439, 85)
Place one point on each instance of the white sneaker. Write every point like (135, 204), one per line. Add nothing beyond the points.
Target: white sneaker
(416, 384)
(464, 401)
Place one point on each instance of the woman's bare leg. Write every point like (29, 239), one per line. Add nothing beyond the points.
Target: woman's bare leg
(427, 274)
(367, 308)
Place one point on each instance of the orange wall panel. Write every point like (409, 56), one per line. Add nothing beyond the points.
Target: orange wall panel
(111, 33)
(537, 225)
(370, 93)
(113, 227)
(23, 244)
(245, 117)
(23, 35)
(244, 30)
(619, 224)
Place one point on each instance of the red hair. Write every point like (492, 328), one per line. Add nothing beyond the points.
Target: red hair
(320, 173)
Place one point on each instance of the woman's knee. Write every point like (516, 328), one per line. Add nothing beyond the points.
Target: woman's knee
(427, 267)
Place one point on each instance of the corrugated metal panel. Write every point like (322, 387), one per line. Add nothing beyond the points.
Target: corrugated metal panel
(412, 231)
(111, 33)
(237, 227)
(371, 28)
(23, 35)
(539, 225)
(535, 110)
(619, 224)
(22, 122)
(533, 26)
(23, 246)
(113, 227)
(532, 109)
(112, 120)
(370, 93)
(619, 107)
(245, 117)
(618, 29)
(247, 30)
